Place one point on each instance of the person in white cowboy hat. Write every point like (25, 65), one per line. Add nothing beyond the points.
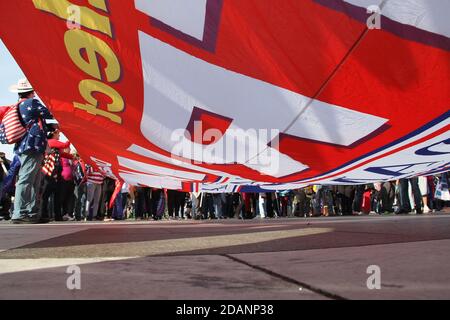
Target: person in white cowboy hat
(31, 153)
(23, 88)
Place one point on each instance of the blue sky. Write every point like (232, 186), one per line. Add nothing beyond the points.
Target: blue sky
(10, 72)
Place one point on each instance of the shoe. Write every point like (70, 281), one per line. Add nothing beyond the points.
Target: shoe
(68, 218)
(25, 221)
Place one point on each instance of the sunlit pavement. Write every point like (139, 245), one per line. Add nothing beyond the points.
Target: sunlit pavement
(296, 258)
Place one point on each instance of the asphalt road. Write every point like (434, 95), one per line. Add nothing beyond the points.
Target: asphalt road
(314, 258)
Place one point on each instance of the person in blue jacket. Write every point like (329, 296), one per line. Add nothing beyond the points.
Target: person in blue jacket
(30, 151)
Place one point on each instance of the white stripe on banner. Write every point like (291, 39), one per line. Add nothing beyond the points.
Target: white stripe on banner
(150, 180)
(160, 171)
(185, 16)
(429, 15)
(169, 89)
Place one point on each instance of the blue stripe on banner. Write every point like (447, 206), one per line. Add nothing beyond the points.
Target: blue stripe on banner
(416, 132)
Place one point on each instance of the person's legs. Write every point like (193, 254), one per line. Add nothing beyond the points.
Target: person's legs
(68, 204)
(5, 206)
(90, 187)
(405, 206)
(358, 199)
(57, 205)
(48, 189)
(117, 209)
(390, 189)
(156, 198)
(194, 202)
(210, 207)
(417, 194)
(64, 197)
(300, 207)
(178, 207)
(262, 207)
(171, 203)
(27, 187)
(345, 205)
(317, 202)
(38, 188)
(423, 186)
(182, 202)
(384, 198)
(80, 201)
(96, 202)
(217, 205)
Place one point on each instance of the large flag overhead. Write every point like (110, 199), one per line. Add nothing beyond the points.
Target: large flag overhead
(242, 95)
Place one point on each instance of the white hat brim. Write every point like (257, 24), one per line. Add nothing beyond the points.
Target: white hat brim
(15, 89)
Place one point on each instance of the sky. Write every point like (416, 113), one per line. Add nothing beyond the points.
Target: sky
(10, 72)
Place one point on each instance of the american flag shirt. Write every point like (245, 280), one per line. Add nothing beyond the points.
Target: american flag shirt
(35, 139)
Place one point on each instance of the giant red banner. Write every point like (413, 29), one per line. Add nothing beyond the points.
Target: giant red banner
(233, 95)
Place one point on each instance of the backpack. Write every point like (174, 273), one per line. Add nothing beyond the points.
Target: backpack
(12, 129)
(52, 164)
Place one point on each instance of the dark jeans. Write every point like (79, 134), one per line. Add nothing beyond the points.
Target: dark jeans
(67, 197)
(107, 192)
(207, 207)
(346, 204)
(405, 205)
(387, 197)
(175, 203)
(80, 194)
(142, 202)
(119, 206)
(51, 188)
(357, 201)
(156, 196)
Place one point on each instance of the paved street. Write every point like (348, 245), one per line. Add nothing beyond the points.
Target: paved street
(314, 258)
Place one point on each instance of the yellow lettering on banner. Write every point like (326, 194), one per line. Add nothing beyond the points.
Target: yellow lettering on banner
(99, 4)
(88, 17)
(87, 87)
(76, 40)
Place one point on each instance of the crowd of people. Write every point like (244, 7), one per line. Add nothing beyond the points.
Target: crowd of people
(47, 180)
(78, 192)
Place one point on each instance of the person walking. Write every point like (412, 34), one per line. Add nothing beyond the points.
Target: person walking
(30, 150)
(94, 190)
(53, 183)
(80, 193)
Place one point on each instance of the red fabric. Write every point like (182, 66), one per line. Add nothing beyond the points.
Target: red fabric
(295, 45)
(366, 204)
(95, 177)
(116, 192)
(53, 143)
(3, 111)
